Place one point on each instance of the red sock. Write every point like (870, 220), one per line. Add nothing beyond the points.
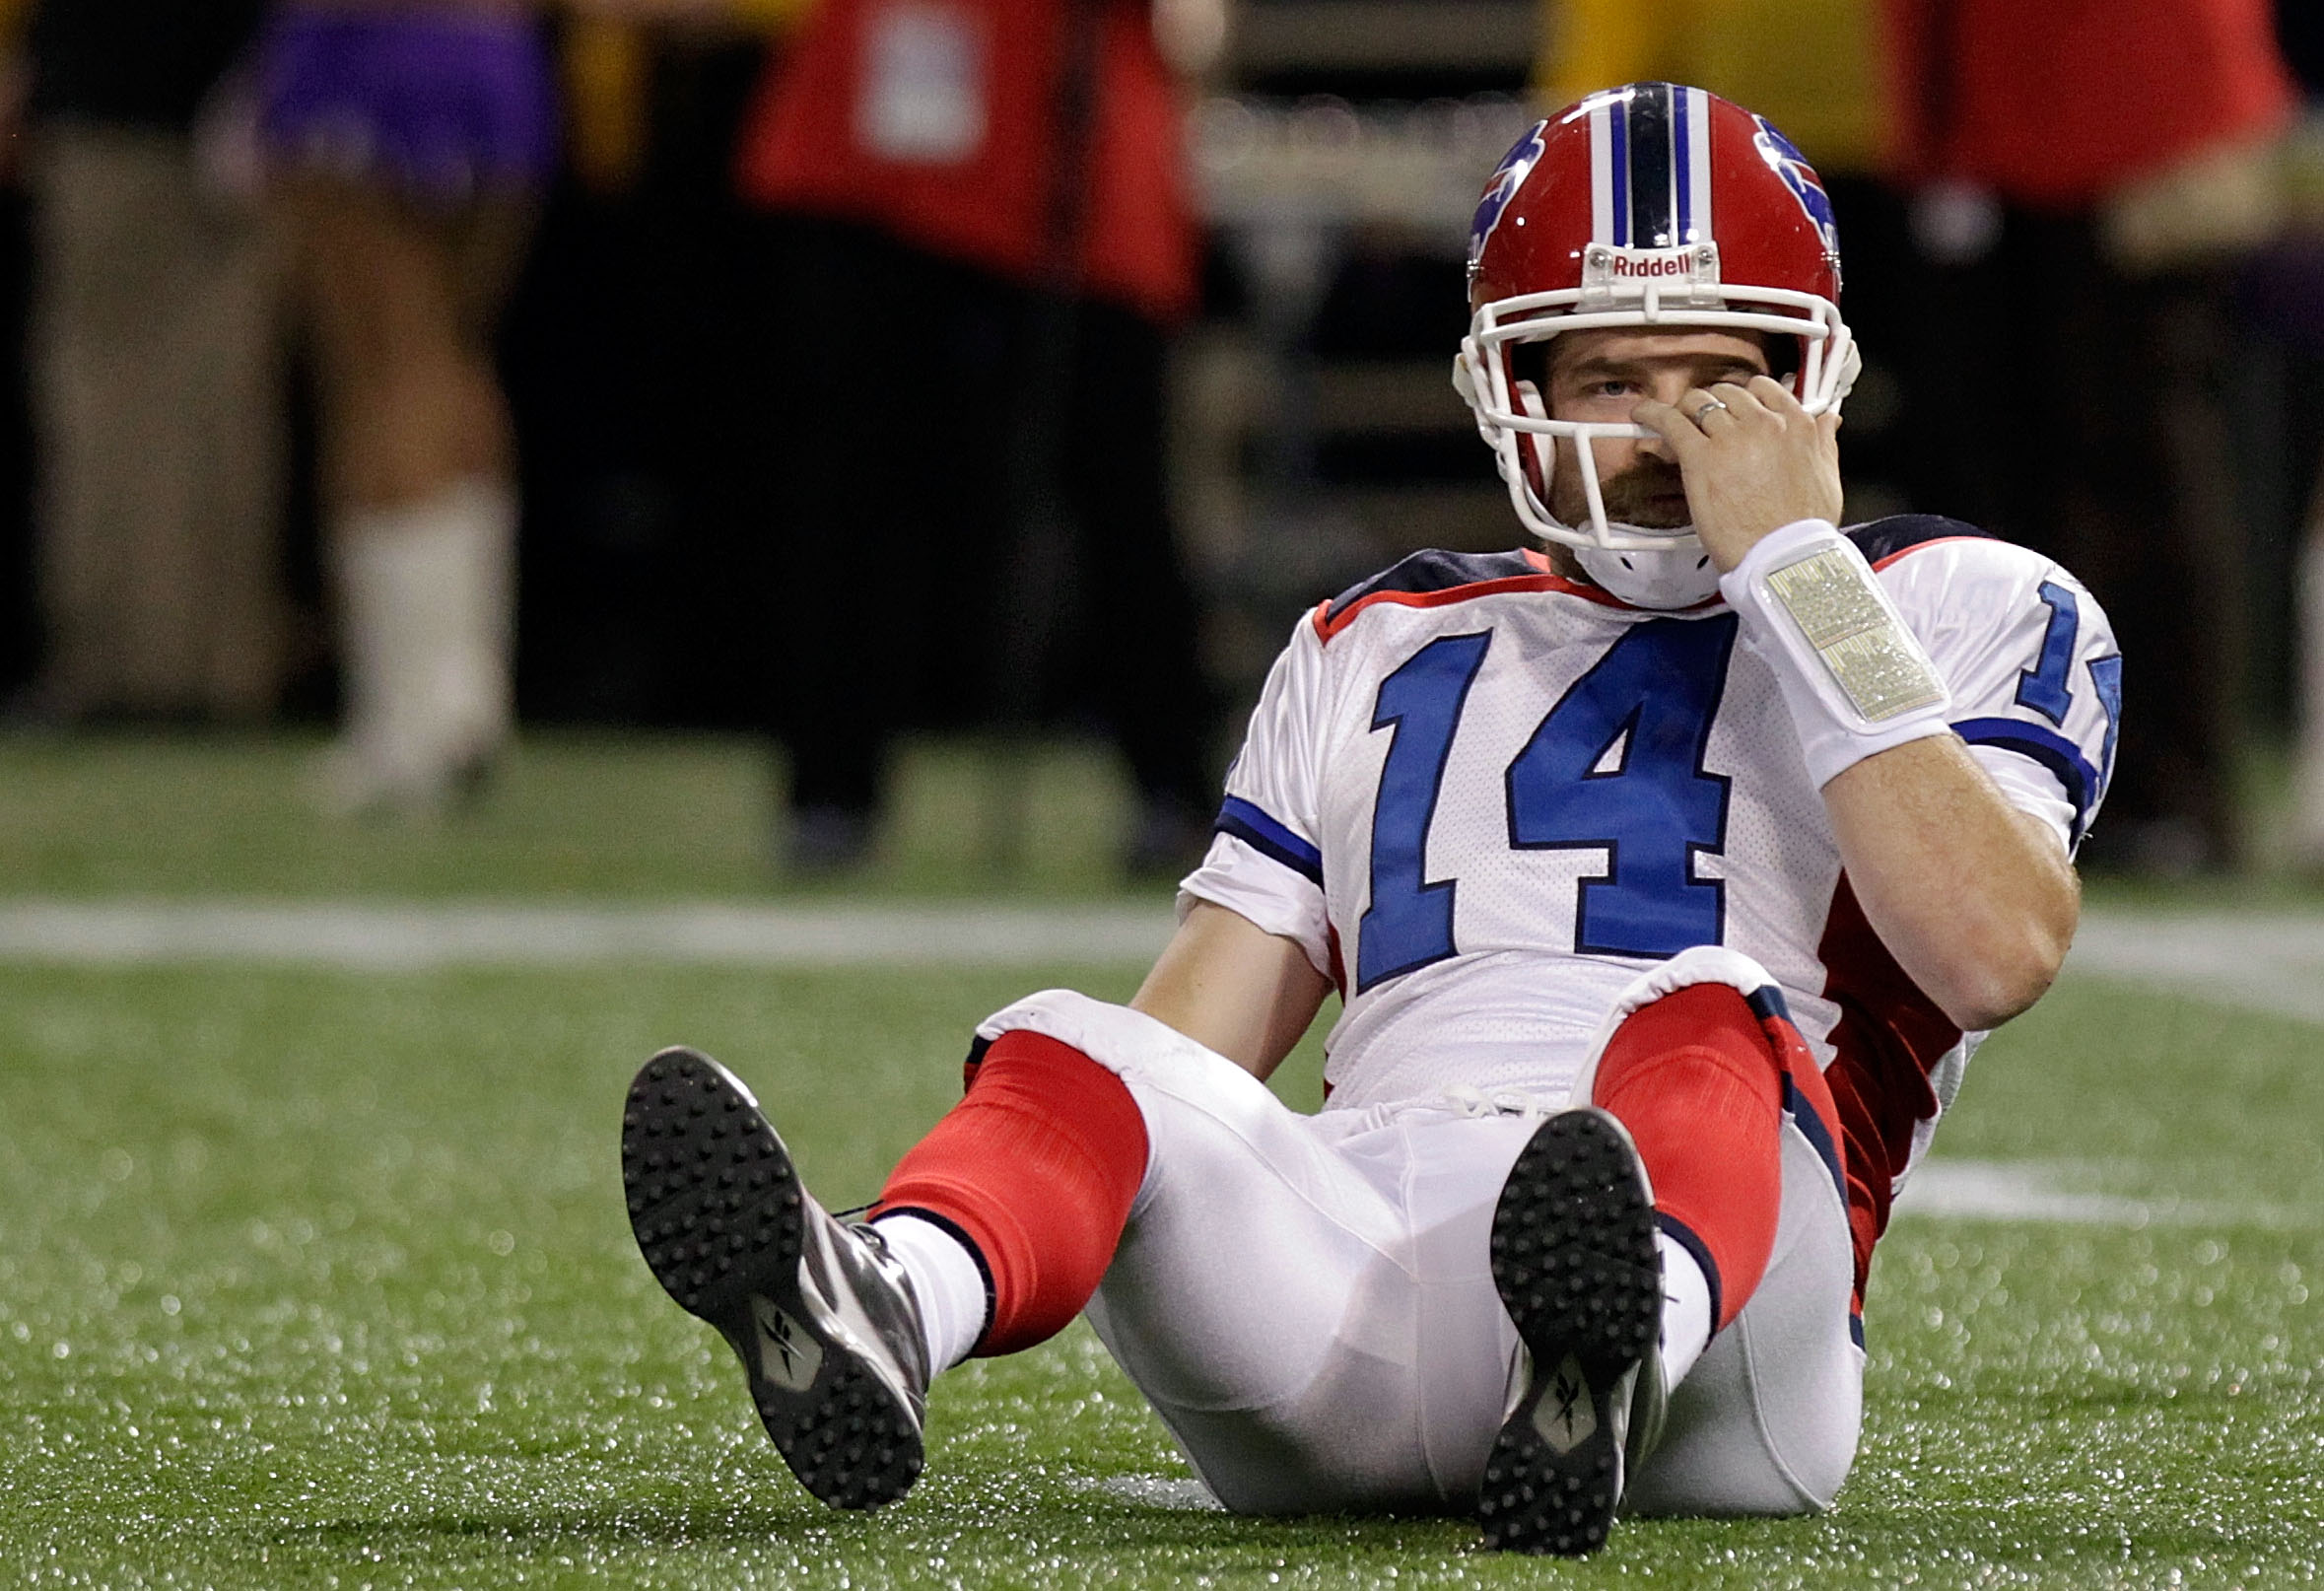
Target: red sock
(1699, 1081)
(1036, 1168)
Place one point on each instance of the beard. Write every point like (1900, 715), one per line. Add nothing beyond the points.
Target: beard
(1651, 494)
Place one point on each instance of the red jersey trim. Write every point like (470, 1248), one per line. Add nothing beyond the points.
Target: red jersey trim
(1924, 546)
(1327, 626)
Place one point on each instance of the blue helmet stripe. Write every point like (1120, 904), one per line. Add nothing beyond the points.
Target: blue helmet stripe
(1618, 124)
(1649, 167)
(1683, 157)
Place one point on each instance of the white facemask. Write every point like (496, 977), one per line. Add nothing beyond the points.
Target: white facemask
(1658, 569)
(1673, 571)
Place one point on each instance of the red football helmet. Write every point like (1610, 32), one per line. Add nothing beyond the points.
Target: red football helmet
(1648, 205)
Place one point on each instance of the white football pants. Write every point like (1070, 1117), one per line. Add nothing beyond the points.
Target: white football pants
(1306, 1302)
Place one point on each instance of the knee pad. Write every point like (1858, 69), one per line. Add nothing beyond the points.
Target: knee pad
(1702, 964)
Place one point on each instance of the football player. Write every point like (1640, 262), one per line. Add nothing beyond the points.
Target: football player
(1668, 877)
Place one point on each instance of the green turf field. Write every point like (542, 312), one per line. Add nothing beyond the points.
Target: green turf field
(571, 815)
(317, 1278)
(306, 1276)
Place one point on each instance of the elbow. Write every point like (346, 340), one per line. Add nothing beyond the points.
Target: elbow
(2002, 975)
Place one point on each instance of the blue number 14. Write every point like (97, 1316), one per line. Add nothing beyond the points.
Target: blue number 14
(1617, 765)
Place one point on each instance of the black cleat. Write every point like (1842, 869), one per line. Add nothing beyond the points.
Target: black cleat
(1575, 1262)
(823, 1319)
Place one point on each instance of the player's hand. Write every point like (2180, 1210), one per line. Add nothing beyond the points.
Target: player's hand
(1756, 465)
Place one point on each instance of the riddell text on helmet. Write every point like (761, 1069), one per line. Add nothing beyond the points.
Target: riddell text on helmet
(1674, 262)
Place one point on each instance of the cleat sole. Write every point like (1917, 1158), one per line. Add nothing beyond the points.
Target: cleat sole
(720, 1218)
(1574, 1258)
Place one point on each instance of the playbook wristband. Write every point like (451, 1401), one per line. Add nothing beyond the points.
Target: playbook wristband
(1855, 676)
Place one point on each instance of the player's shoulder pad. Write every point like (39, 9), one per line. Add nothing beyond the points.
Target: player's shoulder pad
(1887, 536)
(1962, 559)
(1431, 572)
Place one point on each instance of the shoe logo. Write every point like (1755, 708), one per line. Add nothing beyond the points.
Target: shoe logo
(1566, 1417)
(787, 1356)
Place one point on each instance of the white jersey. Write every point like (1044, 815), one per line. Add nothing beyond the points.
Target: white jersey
(1484, 797)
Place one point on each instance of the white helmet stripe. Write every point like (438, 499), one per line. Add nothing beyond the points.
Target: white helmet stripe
(1694, 168)
(1602, 171)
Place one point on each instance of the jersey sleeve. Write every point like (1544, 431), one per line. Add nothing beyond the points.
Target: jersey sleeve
(2035, 672)
(1265, 860)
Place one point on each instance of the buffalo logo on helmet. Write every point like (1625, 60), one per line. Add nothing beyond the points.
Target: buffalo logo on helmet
(1784, 159)
(1501, 187)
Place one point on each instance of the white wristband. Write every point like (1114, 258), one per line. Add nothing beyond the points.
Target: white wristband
(1855, 676)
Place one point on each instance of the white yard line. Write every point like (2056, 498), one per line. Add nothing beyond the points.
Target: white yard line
(1948, 1189)
(2269, 961)
(2263, 962)
(2006, 1189)
(384, 937)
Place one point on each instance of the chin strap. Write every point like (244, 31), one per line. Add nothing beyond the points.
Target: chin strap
(1851, 367)
(1680, 578)
(1543, 448)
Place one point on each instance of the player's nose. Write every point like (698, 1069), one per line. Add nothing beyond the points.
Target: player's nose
(1653, 445)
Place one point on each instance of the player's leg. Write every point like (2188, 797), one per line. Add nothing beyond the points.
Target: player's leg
(1634, 1228)
(418, 471)
(821, 1315)
(1297, 1295)
(1268, 1288)
(1736, 1128)
(1766, 1421)
(990, 1234)
(1260, 1285)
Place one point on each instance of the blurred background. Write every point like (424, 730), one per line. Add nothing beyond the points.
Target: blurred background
(888, 440)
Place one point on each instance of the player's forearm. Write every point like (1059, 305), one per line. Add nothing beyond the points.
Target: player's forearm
(1975, 899)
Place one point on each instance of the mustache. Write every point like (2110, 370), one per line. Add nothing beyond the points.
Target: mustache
(1641, 495)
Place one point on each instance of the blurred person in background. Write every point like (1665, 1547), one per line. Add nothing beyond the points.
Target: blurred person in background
(634, 357)
(2283, 290)
(989, 241)
(2068, 375)
(155, 373)
(407, 145)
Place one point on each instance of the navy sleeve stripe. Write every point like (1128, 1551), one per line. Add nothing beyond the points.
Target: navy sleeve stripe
(2051, 749)
(1251, 826)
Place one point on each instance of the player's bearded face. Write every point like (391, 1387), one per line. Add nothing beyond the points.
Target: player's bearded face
(1646, 491)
